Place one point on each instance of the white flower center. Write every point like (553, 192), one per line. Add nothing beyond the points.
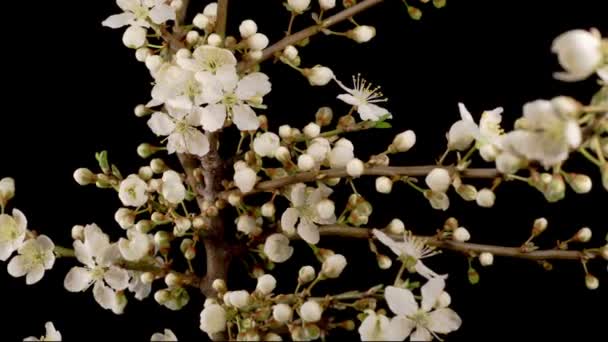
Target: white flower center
(421, 318)
(365, 92)
(141, 13)
(97, 273)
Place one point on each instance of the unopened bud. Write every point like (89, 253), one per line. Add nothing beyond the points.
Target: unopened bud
(324, 116)
(384, 262)
(540, 224)
(147, 277)
(145, 173)
(172, 279)
(162, 296)
(84, 176)
(268, 209)
(144, 226)
(219, 285)
(486, 259)
(162, 239)
(158, 165)
(461, 234)
(467, 192)
(485, 198)
(78, 232)
(145, 150)
(583, 235)
(450, 224)
(384, 185)
(192, 37)
(591, 282)
(604, 252)
(581, 184)
(306, 274)
(396, 227)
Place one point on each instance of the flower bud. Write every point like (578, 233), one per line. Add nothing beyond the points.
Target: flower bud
(384, 185)
(311, 311)
(285, 131)
(282, 313)
(298, 6)
(248, 28)
(384, 262)
(144, 226)
(362, 33)
(290, 52)
(78, 232)
(141, 110)
(325, 208)
(444, 300)
(327, 4)
(192, 37)
(134, 37)
(214, 39)
(396, 227)
(245, 224)
(147, 277)
(219, 285)
(604, 252)
(486, 259)
(142, 53)
(438, 180)
(268, 209)
(324, 116)
(200, 21)
(604, 170)
(461, 234)
(583, 235)
(579, 53)
(333, 266)
(210, 10)
(312, 130)
(318, 75)
(485, 198)
(355, 168)
(258, 41)
(172, 279)
(145, 150)
(556, 189)
(306, 162)
(282, 154)
(7, 190)
(591, 282)
(450, 224)
(158, 165)
(162, 239)
(581, 184)
(306, 274)
(403, 141)
(153, 62)
(467, 192)
(84, 176)
(239, 299)
(125, 218)
(266, 284)
(540, 224)
(162, 296)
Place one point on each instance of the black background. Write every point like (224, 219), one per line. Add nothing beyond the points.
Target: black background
(70, 86)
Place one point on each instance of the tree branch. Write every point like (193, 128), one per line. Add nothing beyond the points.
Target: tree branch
(222, 17)
(181, 13)
(465, 247)
(310, 31)
(389, 171)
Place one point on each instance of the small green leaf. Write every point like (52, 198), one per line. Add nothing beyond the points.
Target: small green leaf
(116, 172)
(383, 124)
(473, 276)
(102, 159)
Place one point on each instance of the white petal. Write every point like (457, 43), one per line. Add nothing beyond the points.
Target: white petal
(370, 111)
(78, 279)
(297, 194)
(400, 328)
(426, 272)
(308, 231)
(348, 98)
(196, 142)
(254, 84)
(104, 295)
(6, 249)
(117, 278)
(213, 117)
(430, 293)
(51, 334)
(118, 20)
(244, 118)
(400, 301)
(83, 254)
(161, 13)
(421, 334)
(17, 267)
(45, 243)
(227, 76)
(374, 327)
(395, 246)
(161, 124)
(444, 321)
(195, 116)
(20, 219)
(95, 240)
(34, 274)
(289, 219)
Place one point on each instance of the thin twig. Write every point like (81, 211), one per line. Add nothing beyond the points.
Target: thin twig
(465, 247)
(310, 31)
(222, 17)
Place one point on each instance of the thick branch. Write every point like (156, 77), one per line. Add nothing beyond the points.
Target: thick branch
(222, 17)
(465, 247)
(181, 13)
(389, 171)
(311, 31)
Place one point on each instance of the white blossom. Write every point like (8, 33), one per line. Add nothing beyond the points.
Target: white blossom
(35, 256)
(132, 191)
(486, 259)
(12, 233)
(98, 257)
(384, 185)
(303, 211)
(355, 168)
(485, 198)
(290, 52)
(200, 21)
(226, 95)
(438, 179)
(463, 132)
(137, 13)
(306, 162)
(277, 248)
(248, 28)
(175, 85)
(134, 37)
(258, 41)
(239, 299)
(341, 154)
(411, 247)
(319, 149)
(140, 285)
(7, 190)
(311, 311)
(299, 6)
(135, 247)
(213, 319)
(246, 224)
(244, 178)
(266, 284)
(333, 266)
(312, 130)
(50, 334)
(167, 335)
(327, 4)
(306, 274)
(374, 327)
(461, 234)
(180, 125)
(420, 323)
(579, 53)
(282, 313)
(363, 96)
(404, 141)
(266, 144)
(362, 33)
(172, 188)
(318, 75)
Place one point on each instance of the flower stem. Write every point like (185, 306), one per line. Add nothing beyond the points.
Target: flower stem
(63, 252)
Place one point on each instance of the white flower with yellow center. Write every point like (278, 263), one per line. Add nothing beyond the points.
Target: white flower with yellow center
(132, 191)
(180, 125)
(137, 13)
(363, 96)
(419, 322)
(12, 233)
(208, 58)
(304, 213)
(51, 334)
(226, 95)
(175, 86)
(98, 256)
(463, 132)
(35, 256)
(412, 247)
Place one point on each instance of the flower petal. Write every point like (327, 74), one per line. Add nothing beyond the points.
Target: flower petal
(162, 13)
(309, 231)
(34, 274)
(372, 112)
(213, 117)
(400, 328)
(83, 254)
(430, 293)
(244, 118)
(421, 334)
(17, 267)
(289, 219)
(78, 279)
(117, 278)
(45, 243)
(161, 124)
(348, 98)
(444, 321)
(196, 142)
(104, 295)
(118, 20)
(252, 85)
(400, 301)
(395, 246)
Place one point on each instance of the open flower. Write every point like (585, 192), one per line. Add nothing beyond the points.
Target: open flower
(140, 288)
(208, 58)
(132, 191)
(580, 54)
(364, 98)
(175, 86)
(35, 256)
(411, 247)
(12, 233)
(180, 125)
(277, 248)
(420, 319)
(51, 334)
(135, 247)
(98, 256)
(137, 12)
(227, 95)
(173, 189)
(464, 131)
(303, 211)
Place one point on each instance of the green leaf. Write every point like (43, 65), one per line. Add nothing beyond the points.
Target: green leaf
(383, 124)
(473, 276)
(116, 172)
(102, 159)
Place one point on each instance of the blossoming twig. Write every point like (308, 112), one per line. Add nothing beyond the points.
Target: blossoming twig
(311, 31)
(515, 252)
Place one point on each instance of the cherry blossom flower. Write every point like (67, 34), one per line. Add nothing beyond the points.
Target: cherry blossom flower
(207, 58)
(180, 125)
(51, 334)
(132, 191)
(411, 247)
(98, 256)
(420, 323)
(277, 248)
(135, 247)
(463, 132)
(374, 327)
(364, 98)
(35, 256)
(140, 288)
(303, 211)
(137, 13)
(12, 233)
(213, 319)
(173, 189)
(579, 52)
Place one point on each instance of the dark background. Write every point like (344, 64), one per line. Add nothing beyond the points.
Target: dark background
(70, 86)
